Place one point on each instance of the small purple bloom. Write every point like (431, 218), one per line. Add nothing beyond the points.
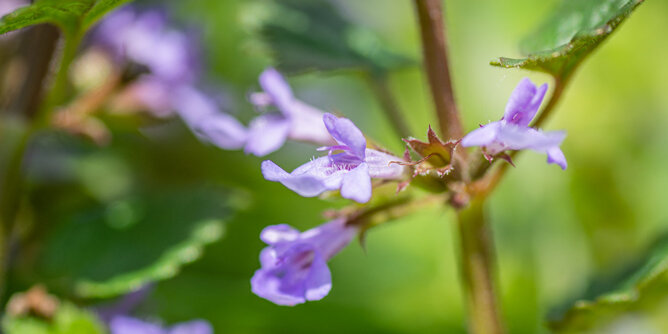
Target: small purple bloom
(294, 265)
(512, 132)
(296, 120)
(209, 124)
(129, 325)
(350, 171)
(144, 38)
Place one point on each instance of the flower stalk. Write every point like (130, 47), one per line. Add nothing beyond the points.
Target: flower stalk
(435, 52)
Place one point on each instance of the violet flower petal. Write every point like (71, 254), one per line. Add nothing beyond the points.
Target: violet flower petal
(297, 272)
(556, 156)
(129, 325)
(356, 184)
(307, 180)
(518, 138)
(482, 136)
(381, 166)
(279, 233)
(266, 134)
(203, 117)
(524, 102)
(192, 327)
(307, 125)
(346, 133)
(319, 282)
(273, 83)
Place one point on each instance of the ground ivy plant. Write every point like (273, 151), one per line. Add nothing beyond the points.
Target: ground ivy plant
(155, 68)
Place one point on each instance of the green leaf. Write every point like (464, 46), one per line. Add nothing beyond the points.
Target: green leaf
(113, 249)
(72, 16)
(639, 286)
(67, 320)
(567, 37)
(313, 35)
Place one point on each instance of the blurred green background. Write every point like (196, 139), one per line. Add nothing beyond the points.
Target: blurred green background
(555, 231)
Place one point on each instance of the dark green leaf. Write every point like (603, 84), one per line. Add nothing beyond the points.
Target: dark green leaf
(67, 320)
(116, 248)
(313, 35)
(573, 31)
(639, 286)
(72, 16)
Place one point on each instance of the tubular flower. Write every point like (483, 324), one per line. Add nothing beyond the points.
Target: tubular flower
(209, 124)
(295, 120)
(294, 265)
(512, 132)
(350, 170)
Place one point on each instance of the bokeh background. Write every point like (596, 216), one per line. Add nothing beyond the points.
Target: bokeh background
(556, 232)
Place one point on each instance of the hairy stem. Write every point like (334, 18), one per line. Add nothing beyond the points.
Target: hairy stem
(380, 86)
(477, 269)
(435, 53)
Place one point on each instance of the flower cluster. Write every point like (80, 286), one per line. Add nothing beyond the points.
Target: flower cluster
(169, 85)
(294, 265)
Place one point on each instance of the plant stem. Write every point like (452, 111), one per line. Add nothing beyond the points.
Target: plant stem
(380, 86)
(477, 264)
(58, 93)
(435, 53)
(13, 179)
(10, 200)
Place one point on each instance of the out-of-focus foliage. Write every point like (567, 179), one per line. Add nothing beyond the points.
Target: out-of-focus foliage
(572, 32)
(313, 35)
(67, 320)
(639, 287)
(72, 16)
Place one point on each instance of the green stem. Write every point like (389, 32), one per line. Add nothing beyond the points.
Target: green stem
(60, 88)
(380, 86)
(10, 200)
(13, 180)
(477, 264)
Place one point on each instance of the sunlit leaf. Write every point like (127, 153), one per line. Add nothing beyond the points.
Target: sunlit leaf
(638, 287)
(569, 35)
(313, 35)
(72, 16)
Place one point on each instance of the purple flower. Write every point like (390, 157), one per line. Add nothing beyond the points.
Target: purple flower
(350, 171)
(512, 132)
(294, 265)
(209, 124)
(129, 325)
(144, 38)
(296, 120)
